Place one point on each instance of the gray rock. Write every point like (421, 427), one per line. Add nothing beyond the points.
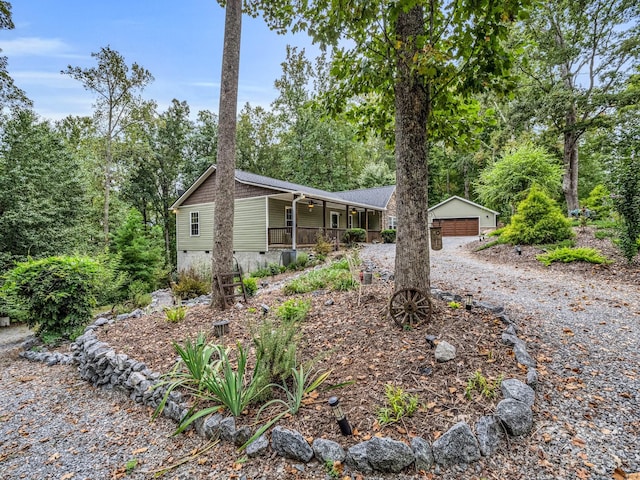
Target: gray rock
(387, 455)
(258, 447)
(423, 453)
(522, 356)
(328, 450)
(509, 339)
(512, 388)
(431, 341)
(489, 433)
(241, 436)
(290, 444)
(357, 458)
(511, 330)
(492, 308)
(135, 378)
(457, 445)
(227, 428)
(532, 377)
(515, 416)
(445, 352)
(211, 427)
(101, 321)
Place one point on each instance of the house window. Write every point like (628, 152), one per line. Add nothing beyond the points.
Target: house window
(288, 217)
(195, 224)
(392, 223)
(335, 220)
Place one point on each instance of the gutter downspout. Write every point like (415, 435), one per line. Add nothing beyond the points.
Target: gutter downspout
(294, 214)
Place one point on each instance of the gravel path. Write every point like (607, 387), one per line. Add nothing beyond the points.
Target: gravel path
(587, 335)
(587, 414)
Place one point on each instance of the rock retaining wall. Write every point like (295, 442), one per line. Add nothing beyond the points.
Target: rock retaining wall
(100, 365)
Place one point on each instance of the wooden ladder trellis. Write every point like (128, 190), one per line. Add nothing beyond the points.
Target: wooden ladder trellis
(231, 286)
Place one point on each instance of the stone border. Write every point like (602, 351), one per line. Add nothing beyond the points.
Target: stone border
(100, 365)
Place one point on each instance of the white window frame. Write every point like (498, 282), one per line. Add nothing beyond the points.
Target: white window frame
(393, 222)
(335, 215)
(195, 224)
(288, 216)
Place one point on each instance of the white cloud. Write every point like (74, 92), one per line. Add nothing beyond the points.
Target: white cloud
(34, 46)
(48, 79)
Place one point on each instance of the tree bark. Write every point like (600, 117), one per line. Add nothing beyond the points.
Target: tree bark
(570, 178)
(412, 105)
(222, 257)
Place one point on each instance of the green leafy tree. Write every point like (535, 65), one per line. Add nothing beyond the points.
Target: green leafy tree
(376, 175)
(258, 150)
(599, 201)
(580, 56)
(116, 86)
(538, 220)
(626, 200)
(138, 252)
(412, 65)
(42, 198)
(10, 94)
(505, 183)
(202, 145)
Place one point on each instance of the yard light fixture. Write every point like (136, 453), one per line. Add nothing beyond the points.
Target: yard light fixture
(345, 428)
(468, 304)
(518, 250)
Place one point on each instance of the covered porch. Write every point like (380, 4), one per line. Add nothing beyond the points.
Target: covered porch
(306, 236)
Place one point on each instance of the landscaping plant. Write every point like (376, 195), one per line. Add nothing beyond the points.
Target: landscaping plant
(567, 255)
(276, 350)
(175, 314)
(55, 295)
(293, 310)
(399, 404)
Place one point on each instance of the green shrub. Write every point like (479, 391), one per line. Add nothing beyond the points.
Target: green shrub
(600, 234)
(354, 235)
(496, 232)
(322, 246)
(336, 276)
(567, 255)
(56, 294)
(538, 220)
(302, 259)
(389, 235)
(250, 285)
(139, 251)
(175, 314)
(294, 310)
(191, 284)
(599, 202)
(478, 382)
(276, 350)
(400, 404)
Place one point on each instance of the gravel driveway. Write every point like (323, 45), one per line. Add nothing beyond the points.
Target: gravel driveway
(587, 414)
(588, 336)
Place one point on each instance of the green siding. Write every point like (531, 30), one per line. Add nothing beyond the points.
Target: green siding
(184, 240)
(276, 212)
(250, 225)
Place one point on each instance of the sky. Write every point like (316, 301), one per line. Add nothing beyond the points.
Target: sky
(179, 42)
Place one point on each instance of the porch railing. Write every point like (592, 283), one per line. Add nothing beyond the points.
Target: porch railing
(309, 235)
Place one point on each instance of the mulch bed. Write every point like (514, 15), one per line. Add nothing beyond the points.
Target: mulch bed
(364, 350)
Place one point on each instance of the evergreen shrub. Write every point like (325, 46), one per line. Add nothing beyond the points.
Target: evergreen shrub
(388, 236)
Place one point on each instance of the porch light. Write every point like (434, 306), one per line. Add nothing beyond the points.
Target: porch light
(353, 211)
(311, 205)
(345, 428)
(468, 304)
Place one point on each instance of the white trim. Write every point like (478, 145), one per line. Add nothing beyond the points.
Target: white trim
(192, 223)
(465, 201)
(331, 214)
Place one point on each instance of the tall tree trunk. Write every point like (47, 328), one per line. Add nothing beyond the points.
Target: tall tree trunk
(412, 104)
(107, 190)
(570, 178)
(222, 258)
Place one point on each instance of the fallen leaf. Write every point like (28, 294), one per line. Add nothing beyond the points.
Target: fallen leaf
(546, 437)
(578, 442)
(67, 476)
(140, 450)
(619, 474)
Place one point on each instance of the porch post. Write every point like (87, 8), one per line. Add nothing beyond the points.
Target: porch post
(366, 223)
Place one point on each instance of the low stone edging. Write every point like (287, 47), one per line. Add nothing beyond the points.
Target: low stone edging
(100, 365)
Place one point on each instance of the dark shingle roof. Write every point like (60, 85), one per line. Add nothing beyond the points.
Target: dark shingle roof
(377, 196)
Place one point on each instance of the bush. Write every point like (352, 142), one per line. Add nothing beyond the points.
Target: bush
(354, 235)
(276, 350)
(322, 246)
(538, 220)
(567, 255)
(336, 276)
(599, 202)
(250, 285)
(191, 284)
(388, 236)
(302, 259)
(56, 294)
(294, 310)
(175, 314)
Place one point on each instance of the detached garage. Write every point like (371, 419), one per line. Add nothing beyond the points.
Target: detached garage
(462, 218)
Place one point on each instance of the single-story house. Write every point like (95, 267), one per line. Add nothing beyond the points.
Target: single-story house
(460, 217)
(273, 216)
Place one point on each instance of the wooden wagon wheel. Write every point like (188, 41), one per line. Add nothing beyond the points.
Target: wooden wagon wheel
(410, 306)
